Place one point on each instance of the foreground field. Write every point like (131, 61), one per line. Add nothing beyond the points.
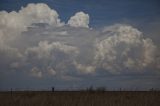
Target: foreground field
(81, 98)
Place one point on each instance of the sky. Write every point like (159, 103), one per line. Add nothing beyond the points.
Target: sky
(74, 44)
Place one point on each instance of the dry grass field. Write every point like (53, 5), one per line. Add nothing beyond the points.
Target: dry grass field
(80, 98)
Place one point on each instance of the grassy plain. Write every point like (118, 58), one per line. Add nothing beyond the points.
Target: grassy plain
(80, 98)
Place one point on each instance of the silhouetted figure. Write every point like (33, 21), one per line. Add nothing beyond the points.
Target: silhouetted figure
(52, 89)
(11, 91)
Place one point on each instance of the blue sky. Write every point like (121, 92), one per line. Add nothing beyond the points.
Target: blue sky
(110, 43)
(102, 12)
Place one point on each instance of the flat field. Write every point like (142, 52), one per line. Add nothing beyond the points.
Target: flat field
(80, 98)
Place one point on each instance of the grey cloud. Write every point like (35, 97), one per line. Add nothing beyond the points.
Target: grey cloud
(53, 58)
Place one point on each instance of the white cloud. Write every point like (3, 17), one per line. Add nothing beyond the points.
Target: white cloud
(60, 50)
(36, 72)
(53, 58)
(149, 52)
(87, 69)
(13, 23)
(51, 71)
(46, 50)
(124, 48)
(40, 13)
(80, 19)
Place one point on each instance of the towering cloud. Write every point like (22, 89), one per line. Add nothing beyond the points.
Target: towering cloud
(123, 48)
(80, 19)
(13, 23)
(36, 41)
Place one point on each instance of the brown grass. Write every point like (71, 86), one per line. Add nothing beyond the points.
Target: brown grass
(81, 98)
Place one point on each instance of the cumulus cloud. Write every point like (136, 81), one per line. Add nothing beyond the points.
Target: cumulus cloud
(36, 41)
(80, 19)
(36, 72)
(51, 71)
(86, 69)
(123, 48)
(53, 58)
(13, 23)
(46, 50)
(10, 58)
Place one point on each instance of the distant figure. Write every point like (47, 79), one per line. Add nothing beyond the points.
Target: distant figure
(52, 89)
(11, 91)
